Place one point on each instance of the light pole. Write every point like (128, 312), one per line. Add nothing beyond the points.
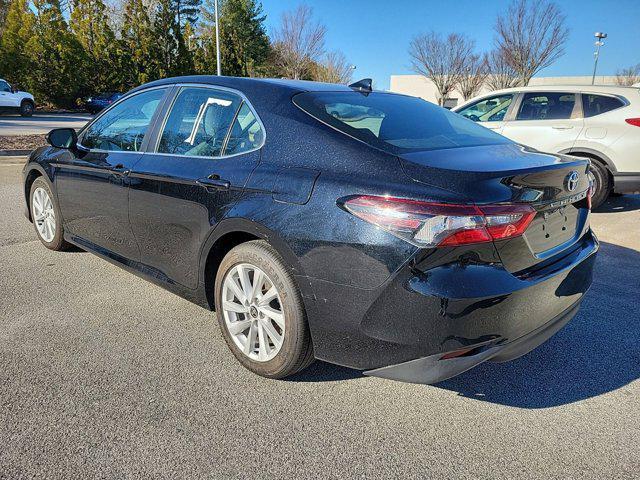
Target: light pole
(599, 37)
(219, 69)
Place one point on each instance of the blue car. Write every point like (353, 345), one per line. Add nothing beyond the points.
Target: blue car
(99, 102)
(367, 229)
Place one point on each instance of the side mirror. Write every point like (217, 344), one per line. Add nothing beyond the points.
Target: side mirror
(14, 90)
(62, 138)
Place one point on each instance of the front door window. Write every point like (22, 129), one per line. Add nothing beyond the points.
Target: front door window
(492, 109)
(123, 127)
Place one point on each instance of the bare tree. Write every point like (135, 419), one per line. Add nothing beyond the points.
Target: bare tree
(334, 69)
(501, 73)
(475, 74)
(298, 43)
(532, 35)
(442, 60)
(628, 76)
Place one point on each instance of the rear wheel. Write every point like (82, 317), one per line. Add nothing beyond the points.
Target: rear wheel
(260, 311)
(601, 179)
(26, 108)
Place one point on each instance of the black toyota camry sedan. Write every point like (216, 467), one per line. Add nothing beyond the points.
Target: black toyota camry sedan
(364, 228)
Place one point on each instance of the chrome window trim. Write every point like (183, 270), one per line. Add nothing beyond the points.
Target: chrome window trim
(105, 111)
(244, 99)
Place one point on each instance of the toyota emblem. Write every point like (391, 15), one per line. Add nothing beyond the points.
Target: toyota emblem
(571, 181)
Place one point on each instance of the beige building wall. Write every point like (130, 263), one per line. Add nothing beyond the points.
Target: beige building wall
(419, 86)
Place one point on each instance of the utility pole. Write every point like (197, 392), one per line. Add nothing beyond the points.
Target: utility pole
(219, 67)
(599, 36)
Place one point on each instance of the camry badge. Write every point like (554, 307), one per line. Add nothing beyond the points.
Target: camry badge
(571, 181)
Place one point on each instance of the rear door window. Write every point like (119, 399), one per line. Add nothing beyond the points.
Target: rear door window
(492, 109)
(546, 106)
(199, 122)
(395, 123)
(593, 105)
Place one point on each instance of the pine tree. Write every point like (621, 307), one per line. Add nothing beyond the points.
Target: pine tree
(187, 49)
(187, 12)
(90, 25)
(136, 47)
(55, 55)
(167, 39)
(18, 29)
(244, 44)
(4, 8)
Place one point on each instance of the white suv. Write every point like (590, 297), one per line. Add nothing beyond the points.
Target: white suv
(598, 122)
(13, 100)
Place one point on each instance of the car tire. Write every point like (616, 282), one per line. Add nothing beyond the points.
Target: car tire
(26, 108)
(257, 347)
(601, 179)
(45, 213)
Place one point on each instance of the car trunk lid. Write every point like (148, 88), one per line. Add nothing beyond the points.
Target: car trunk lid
(554, 185)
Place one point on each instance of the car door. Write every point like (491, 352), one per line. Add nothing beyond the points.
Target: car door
(92, 182)
(490, 112)
(547, 121)
(196, 169)
(6, 95)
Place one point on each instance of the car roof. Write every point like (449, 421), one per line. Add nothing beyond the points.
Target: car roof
(611, 89)
(242, 83)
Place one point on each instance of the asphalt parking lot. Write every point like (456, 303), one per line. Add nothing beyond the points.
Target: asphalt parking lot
(41, 123)
(103, 375)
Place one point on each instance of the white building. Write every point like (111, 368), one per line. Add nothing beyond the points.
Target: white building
(419, 86)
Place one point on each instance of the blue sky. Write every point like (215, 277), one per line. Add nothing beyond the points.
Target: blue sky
(375, 34)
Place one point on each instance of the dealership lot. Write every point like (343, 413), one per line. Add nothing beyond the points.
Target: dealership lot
(41, 123)
(103, 374)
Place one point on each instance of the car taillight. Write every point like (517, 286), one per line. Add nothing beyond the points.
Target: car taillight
(428, 224)
(590, 192)
(633, 121)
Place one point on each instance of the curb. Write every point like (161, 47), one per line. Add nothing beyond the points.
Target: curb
(7, 161)
(14, 153)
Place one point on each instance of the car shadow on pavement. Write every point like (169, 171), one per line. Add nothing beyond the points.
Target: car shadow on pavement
(619, 203)
(321, 371)
(597, 352)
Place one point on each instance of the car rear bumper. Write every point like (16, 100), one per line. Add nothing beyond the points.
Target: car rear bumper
(435, 368)
(407, 325)
(626, 183)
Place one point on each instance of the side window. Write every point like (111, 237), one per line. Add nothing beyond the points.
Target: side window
(123, 127)
(546, 106)
(4, 86)
(246, 132)
(198, 123)
(492, 109)
(593, 105)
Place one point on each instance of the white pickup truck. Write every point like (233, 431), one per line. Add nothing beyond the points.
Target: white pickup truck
(14, 100)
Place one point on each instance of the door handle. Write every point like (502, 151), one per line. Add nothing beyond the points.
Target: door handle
(562, 127)
(214, 181)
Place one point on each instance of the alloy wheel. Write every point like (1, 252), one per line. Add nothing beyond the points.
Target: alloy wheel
(43, 214)
(253, 312)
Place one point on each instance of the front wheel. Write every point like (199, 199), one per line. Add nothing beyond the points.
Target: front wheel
(260, 311)
(46, 216)
(27, 108)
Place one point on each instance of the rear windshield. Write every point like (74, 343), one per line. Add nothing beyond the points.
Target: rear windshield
(395, 123)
